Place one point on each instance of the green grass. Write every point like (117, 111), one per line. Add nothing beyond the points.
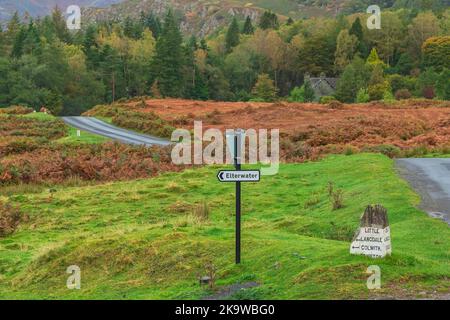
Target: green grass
(139, 239)
(71, 138)
(85, 137)
(39, 116)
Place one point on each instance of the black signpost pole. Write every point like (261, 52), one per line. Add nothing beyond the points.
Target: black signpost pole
(237, 164)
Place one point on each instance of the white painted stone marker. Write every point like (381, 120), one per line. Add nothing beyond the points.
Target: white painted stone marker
(373, 237)
(78, 133)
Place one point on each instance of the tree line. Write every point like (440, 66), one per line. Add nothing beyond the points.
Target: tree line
(42, 63)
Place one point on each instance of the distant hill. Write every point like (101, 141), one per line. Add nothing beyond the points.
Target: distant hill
(202, 17)
(197, 16)
(37, 8)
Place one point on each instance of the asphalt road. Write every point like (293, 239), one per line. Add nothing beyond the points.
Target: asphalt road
(431, 179)
(104, 129)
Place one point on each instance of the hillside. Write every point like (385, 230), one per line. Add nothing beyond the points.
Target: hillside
(43, 7)
(202, 17)
(198, 16)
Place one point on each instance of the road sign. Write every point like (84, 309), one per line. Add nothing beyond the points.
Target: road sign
(373, 237)
(239, 176)
(236, 143)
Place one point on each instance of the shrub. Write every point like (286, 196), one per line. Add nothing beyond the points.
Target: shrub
(386, 149)
(148, 123)
(337, 199)
(403, 94)
(398, 82)
(211, 271)
(362, 96)
(443, 85)
(350, 150)
(335, 105)
(301, 150)
(426, 83)
(327, 99)
(265, 88)
(107, 111)
(388, 96)
(303, 94)
(336, 196)
(428, 92)
(297, 95)
(125, 117)
(376, 91)
(105, 162)
(19, 145)
(16, 126)
(16, 110)
(9, 219)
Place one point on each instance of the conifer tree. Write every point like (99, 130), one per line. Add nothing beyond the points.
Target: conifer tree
(32, 41)
(17, 46)
(357, 31)
(12, 30)
(60, 25)
(248, 26)
(153, 23)
(269, 20)
(168, 61)
(232, 37)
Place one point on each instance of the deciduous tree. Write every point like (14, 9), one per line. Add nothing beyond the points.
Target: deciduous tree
(436, 52)
(345, 50)
(265, 89)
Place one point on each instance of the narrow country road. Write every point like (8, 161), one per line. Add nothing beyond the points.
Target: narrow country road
(431, 179)
(101, 128)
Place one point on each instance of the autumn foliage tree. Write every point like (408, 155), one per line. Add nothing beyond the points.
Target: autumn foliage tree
(436, 52)
(265, 89)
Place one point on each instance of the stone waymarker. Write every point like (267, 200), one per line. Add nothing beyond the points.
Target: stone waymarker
(373, 238)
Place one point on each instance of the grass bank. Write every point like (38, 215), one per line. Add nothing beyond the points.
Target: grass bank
(147, 239)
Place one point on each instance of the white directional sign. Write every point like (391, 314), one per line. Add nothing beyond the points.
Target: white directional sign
(239, 176)
(373, 237)
(373, 242)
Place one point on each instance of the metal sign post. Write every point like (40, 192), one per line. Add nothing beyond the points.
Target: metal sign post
(237, 164)
(235, 143)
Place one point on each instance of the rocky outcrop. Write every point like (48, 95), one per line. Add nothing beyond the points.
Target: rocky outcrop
(197, 17)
